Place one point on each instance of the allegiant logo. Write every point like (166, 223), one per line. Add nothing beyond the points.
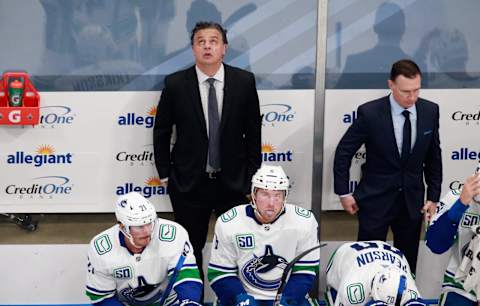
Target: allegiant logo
(43, 185)
(44, 155)
(269, 154)
(135, 119)
(349, 117)
(465, 154)
(151, 187)
(277, 113)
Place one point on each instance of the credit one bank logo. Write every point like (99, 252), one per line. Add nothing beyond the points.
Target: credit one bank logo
(43, 187)
(150, 188)
(134, 119)
(276, 113)
(44, 155)
(455, 185)
(269, 154)
(141, 157)
(55, 116)
(469, 118)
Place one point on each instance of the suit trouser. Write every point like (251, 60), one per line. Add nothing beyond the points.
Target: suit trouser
(406, 230)
(193, 209)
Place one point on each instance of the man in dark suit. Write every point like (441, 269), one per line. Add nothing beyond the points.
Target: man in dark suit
(215, 112)
(401, 138)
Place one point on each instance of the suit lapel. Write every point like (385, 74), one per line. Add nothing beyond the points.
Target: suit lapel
(227, 96)
(191, 86)
(388, 123)
(421, 124)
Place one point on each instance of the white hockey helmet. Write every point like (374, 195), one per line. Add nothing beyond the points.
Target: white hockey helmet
(133, 209)
(271, 178)
(389, 285)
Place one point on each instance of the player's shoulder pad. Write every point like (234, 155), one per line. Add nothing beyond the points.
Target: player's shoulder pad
(300, 211)
(169, 230)
(229, 215)
(102, 243)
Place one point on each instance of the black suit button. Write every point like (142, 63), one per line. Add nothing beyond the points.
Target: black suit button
(400, 189)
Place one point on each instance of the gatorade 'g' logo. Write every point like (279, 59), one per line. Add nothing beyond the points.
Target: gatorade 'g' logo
(14, 116)
(16, 99)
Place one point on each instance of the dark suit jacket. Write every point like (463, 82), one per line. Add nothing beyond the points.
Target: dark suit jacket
(240, 130)
(383, 173)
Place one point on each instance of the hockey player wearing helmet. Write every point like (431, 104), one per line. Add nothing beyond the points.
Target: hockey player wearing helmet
(371, 273)
(254, 242)
(129, 263)
(454, 227)
(269, 192)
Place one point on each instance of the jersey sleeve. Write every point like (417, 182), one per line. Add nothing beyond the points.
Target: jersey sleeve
(309, 264)
(188, 284)
(352, 293)
(100, 284)
(306, 269)
(443, 228)
(222, 268)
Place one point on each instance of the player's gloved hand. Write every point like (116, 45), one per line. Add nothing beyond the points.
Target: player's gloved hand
(286, 301)
(244, 299)
(188, 302)
(376, 303)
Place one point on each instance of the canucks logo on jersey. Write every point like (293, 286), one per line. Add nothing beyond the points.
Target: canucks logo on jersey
(262, 272)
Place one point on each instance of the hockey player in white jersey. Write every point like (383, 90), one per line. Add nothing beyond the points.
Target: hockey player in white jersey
(458, 213)
(370, 273)
(254, 242)
(132, 262)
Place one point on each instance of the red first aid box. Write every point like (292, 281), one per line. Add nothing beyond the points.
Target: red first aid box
(19, 100)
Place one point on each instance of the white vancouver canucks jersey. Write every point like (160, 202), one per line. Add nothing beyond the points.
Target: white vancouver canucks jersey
(258, 253)
(470, 218)
(113, 268)
(352, 267)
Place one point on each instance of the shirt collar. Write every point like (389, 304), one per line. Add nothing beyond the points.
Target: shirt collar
(218, 76)
(397, 109)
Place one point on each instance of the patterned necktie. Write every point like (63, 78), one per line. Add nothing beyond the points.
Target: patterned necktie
(407, 136)
(213, 127)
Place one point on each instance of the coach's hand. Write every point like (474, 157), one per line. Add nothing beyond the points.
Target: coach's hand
(349, 204)
(428, 210)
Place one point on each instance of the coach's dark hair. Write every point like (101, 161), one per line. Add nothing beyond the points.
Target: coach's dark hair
(405, 67)
(202, 25)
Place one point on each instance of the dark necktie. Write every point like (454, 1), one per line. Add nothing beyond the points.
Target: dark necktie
(407, 136)
(213, 127)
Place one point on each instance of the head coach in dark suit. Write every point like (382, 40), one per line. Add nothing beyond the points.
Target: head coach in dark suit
(401, 138)
(214, 110)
